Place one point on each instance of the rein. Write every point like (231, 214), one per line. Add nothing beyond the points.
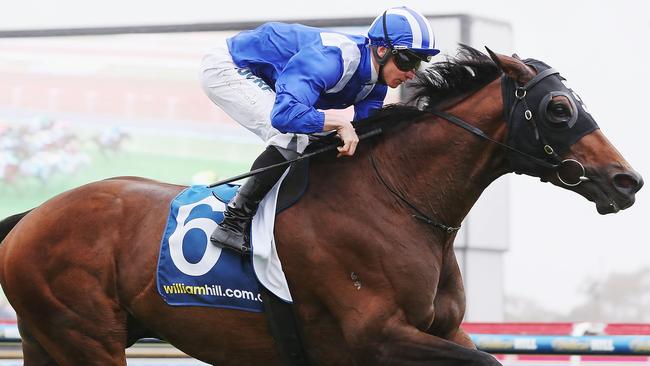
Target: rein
(478, 132)
(364, 136)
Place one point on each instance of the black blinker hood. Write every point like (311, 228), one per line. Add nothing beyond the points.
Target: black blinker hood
(536, 135)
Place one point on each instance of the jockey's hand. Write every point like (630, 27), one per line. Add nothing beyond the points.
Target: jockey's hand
(345, 131)
(348, 135)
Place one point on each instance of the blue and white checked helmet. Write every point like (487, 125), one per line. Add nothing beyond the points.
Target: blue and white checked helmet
(405, 29)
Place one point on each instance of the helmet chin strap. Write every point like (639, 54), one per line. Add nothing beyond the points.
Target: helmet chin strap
(381, 61)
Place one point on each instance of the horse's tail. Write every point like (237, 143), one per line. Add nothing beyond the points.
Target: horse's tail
(7, 224)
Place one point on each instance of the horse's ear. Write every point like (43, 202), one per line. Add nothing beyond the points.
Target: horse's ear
(516, 56)
(513, 67)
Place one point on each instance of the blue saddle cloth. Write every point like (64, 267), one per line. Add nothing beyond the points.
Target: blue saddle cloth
(192, 271)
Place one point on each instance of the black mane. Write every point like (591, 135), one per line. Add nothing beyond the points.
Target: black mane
(467, 72)
(456, 76)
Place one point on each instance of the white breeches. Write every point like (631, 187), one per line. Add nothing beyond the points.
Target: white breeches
(245, 98)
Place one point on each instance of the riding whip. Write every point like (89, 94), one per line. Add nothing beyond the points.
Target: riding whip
(323, 149)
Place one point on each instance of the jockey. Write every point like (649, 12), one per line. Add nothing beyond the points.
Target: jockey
(277, 79)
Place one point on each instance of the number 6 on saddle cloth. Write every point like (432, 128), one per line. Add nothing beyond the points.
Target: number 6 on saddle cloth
(191, 271)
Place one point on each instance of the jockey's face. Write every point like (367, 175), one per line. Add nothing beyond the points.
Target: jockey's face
(393, 76)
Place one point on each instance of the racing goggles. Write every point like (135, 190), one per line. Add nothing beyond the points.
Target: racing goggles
(407, 60)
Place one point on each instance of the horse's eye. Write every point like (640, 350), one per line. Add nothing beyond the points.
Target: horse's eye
(558, 112)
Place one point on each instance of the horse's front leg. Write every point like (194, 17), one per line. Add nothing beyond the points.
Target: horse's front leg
(450, 303)
(394, 342)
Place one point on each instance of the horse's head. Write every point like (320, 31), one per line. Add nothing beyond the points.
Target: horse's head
(562, 143)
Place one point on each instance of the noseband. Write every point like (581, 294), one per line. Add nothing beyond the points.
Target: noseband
(551, 160)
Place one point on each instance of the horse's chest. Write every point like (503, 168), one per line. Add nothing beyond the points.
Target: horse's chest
(416, 292)
(449, 304)
(433, 297)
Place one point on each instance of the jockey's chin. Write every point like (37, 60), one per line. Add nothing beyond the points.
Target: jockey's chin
(394, 83)
(395, 77)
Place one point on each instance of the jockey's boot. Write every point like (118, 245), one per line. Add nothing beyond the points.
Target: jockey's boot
(231, 233)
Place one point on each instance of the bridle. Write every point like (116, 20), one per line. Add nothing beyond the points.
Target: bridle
(520, 93)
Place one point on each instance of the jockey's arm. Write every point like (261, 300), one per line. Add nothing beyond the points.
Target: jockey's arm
(297, 90)
(371, 103)
(362, 110)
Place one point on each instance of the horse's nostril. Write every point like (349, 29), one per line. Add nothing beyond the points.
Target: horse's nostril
(624, 181)
(628, 183)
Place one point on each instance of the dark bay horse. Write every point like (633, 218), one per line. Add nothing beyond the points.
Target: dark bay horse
(80, 269)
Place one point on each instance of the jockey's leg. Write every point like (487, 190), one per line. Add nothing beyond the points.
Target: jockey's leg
(249, 101)
(230, 233)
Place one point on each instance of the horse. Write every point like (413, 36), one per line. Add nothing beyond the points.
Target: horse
(367, 251)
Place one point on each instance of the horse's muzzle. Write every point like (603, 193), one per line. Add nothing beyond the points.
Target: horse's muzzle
(617, 192)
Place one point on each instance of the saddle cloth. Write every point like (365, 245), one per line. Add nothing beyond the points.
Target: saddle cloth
(193, 272)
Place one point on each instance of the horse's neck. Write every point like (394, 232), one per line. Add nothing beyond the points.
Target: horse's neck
(442, 168)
